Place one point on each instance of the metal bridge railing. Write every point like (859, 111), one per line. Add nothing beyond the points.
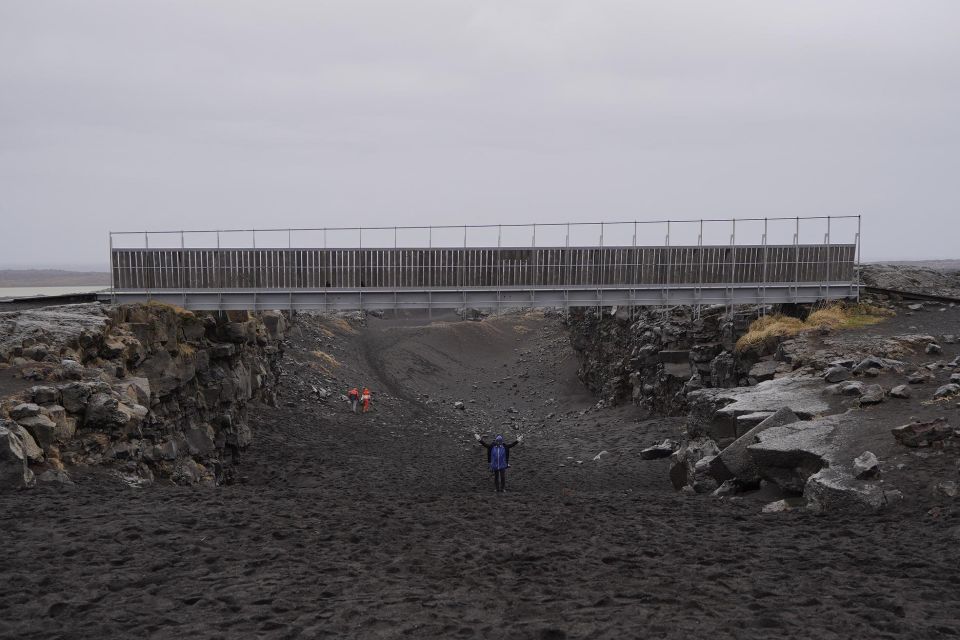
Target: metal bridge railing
(718, 254)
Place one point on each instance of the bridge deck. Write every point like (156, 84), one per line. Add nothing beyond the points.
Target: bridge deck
(483, 277)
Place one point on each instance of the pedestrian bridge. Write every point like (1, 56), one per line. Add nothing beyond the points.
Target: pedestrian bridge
(368, 271)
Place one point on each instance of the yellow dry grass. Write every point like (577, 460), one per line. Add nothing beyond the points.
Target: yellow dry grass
(342, 324)
(327, 362)
(180, 311)
(769, 330)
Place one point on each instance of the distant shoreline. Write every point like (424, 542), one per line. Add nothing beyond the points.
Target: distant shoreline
(52, 278)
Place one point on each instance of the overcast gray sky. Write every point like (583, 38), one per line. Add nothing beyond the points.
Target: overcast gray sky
(159, 115)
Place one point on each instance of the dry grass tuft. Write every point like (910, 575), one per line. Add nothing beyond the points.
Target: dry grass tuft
(767, 331)
(327, 362)
(180, 311)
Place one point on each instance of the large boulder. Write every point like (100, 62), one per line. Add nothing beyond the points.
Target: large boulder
(835, 490)
(105, 412)
(30, 447)
(45, 395)
(788, 455)
(764, 370)
(76, 395)
(24, 410)
(14, 473)
(735, 460)
(43, 429)
(923, 434)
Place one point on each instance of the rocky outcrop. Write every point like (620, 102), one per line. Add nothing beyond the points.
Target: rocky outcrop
(140, 387)
(655, 357)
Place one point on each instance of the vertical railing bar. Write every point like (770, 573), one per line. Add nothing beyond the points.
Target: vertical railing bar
(827, 239)
(636, 271)
(763, 295)
(796, 257)
(856, 274)
(183, 281)
(699, 291)
(113, 279)
(666, 289)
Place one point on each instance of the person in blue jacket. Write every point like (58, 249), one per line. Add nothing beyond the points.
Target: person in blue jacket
(498, 457)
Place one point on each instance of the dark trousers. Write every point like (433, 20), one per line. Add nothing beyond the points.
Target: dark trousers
(500, 479)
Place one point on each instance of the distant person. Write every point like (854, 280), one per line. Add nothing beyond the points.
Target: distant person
(498, 457)
(354, 396)
(365, 398)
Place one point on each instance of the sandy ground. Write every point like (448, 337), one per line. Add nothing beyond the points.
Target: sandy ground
(387, 525)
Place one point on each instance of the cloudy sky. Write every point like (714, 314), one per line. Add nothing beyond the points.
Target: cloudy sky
(165, 115)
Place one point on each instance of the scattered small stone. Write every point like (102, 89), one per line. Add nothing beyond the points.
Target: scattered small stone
(836, 374)
(873, 394)
(946, 391)
(782, 506)
(901, 391)
(597, 457)
(661, 450)
(55, 476)
(866, 465)
(918, 306)
(947, 488)
(727, 488)
(459, 405)
(916, 378)
(933, 348)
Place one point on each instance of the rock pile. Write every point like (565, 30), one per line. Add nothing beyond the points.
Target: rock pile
(150, 389)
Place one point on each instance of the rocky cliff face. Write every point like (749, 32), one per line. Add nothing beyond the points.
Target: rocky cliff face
(655, 356)
(151, 390)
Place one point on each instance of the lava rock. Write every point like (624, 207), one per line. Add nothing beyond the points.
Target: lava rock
(901, 391)
(946, 391)
(833, 490)
(922, 434)
(661, 450)
(836, 374)
(873, 394)
(866, 466)
(735, 460)
(14, 473)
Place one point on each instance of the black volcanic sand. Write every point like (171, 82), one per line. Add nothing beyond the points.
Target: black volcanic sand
(386, 525)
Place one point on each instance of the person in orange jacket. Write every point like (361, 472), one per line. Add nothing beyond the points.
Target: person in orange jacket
(365, 398)
(354, 396)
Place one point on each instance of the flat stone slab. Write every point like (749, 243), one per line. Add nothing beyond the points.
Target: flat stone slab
(800, 395)
(715, 411)
(735, 460)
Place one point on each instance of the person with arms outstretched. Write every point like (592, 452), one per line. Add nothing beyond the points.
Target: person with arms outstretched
(498, 457)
